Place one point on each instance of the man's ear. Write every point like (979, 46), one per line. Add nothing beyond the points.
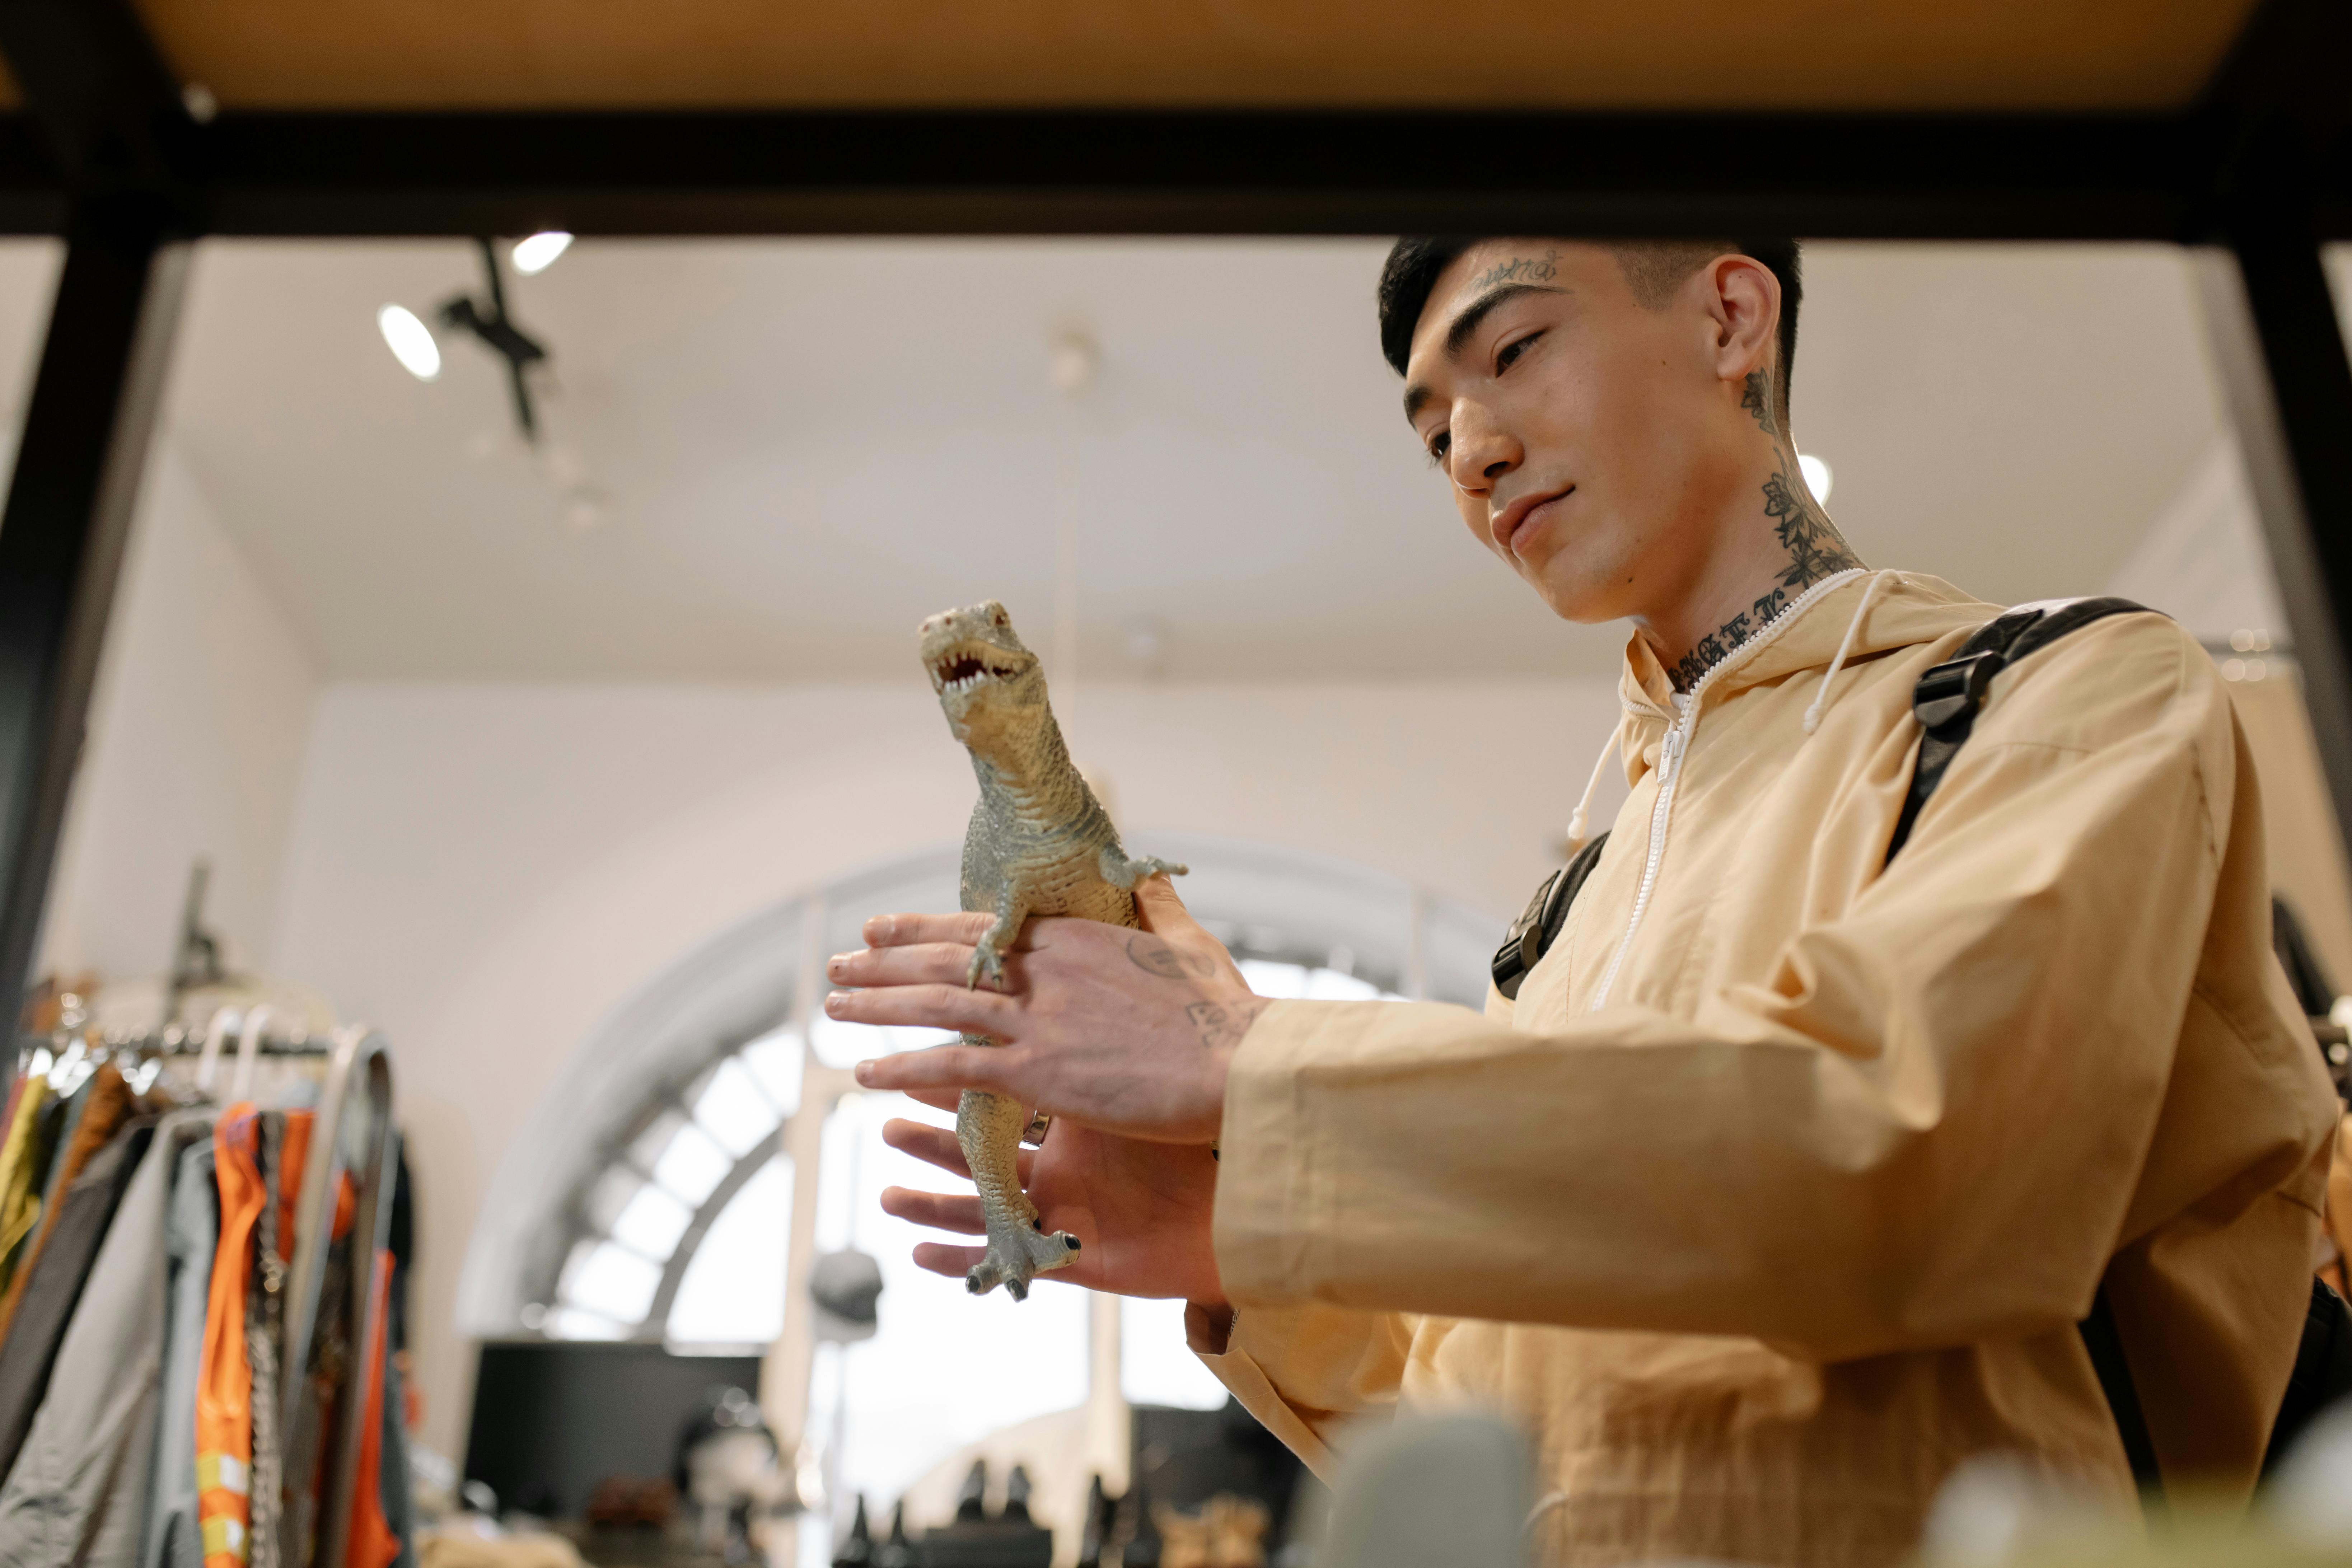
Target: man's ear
(1744, 298)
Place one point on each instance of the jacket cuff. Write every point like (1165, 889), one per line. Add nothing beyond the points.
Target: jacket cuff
(1248, 1378)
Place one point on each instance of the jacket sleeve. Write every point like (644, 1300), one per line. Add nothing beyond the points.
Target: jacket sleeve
(1921, 1129)
(1306, 1370)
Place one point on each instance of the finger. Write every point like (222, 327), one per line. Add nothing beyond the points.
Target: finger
(930, 963)
(1160, 911)
(933, 1145)
(953, 1261)
(937, 1099)
(906, 931)
(933, 1006)
(939, 1211)
(938, 1146)
(1158, 895)
(941, 1066)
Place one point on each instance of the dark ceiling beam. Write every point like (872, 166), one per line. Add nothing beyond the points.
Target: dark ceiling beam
(104, 107)
(1830, 176)
(2274, 129)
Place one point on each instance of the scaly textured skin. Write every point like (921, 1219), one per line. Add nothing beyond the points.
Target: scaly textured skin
(1039, 844)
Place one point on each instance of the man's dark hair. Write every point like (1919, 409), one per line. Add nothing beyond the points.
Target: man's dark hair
(1654, 268)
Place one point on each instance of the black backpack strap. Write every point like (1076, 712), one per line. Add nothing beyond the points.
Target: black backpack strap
(1946, 701)
(2107, 1348)
(2322, 1374)
(1539, 925)
(1946, 698)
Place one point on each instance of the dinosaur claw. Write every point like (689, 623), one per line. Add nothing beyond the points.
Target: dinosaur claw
(1017, 1256)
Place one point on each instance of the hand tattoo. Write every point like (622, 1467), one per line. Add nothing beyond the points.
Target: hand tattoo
(1225, 1023)
(1153, 956)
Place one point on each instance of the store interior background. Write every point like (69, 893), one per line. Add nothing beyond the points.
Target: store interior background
(478, 741)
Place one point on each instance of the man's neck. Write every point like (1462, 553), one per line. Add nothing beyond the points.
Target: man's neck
(1777, 542)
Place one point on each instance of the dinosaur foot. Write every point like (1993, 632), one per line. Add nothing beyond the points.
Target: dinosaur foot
(1016, 1256)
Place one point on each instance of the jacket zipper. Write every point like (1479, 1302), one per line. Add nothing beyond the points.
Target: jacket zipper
(1670, 770)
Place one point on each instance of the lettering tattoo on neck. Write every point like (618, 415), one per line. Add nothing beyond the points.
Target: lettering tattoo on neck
(1718, 645)
(1520, 269)
(1816, 551)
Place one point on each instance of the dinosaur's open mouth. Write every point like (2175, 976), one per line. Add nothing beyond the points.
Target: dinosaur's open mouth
(965, 668)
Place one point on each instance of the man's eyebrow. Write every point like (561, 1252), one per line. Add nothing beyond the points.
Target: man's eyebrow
(1417, 395)
(1486, 305)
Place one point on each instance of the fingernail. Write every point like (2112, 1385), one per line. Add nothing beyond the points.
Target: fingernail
(838, 965)
(880, 929)
(835, 1002)
(866, 1072)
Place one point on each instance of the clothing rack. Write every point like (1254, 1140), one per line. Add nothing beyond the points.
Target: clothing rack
(353, 1134)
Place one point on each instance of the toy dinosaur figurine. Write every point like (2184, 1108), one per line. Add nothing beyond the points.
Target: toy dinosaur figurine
(1039, 844)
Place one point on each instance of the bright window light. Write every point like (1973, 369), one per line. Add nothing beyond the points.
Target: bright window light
(732, 1109)
(410, 339)
(538, 253)
(692, 1164)
(1817, 476)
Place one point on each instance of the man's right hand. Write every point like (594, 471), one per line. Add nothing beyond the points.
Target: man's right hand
(1140, 1210)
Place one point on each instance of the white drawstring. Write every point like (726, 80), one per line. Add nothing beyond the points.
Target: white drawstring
(1579, 822)
(1544, 1505)
(1820, 700)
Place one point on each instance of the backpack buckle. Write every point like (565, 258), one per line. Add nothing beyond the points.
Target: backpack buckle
(1948, 690)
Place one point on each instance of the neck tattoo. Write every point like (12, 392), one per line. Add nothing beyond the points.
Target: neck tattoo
(1815, 550)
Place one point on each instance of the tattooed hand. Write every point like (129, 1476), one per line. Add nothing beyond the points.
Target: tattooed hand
(1126, 1031)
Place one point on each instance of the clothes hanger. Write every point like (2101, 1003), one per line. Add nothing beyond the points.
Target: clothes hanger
(224, 1019)
(249, 1046)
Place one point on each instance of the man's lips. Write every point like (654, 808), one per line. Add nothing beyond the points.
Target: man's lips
(1514, 517)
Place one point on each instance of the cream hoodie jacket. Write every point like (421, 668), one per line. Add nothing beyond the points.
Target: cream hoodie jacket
(1779, 1192)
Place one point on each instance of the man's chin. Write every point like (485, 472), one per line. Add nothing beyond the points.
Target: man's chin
(1582, 596)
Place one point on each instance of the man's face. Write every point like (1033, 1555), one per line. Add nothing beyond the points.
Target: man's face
(1577, 428)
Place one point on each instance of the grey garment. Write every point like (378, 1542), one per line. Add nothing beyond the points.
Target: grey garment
(395, 1483)
(78, 1493)
(170, 1537)
(44, 1309)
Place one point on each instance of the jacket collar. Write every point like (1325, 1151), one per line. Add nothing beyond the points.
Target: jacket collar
(1910, 608)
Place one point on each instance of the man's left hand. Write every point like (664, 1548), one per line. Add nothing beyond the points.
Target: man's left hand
(1128, 1031)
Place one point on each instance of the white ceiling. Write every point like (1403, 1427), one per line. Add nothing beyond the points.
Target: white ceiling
(808, 446)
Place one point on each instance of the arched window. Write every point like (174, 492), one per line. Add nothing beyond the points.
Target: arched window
(662, 1191)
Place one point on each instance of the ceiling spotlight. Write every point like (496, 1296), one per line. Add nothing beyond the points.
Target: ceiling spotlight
(1073, 360)
(1817, 476)
(410, 339)
(538, 253)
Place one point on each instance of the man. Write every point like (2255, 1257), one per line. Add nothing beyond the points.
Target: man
(1780, 1189)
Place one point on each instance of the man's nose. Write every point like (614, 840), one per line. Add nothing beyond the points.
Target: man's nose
(1483, 454)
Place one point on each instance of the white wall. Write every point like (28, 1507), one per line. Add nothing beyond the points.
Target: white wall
(196, 731)
(484, 869)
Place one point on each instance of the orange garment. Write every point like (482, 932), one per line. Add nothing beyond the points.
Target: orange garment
(372, 1543)
(223, 1376)
(293, 1152)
